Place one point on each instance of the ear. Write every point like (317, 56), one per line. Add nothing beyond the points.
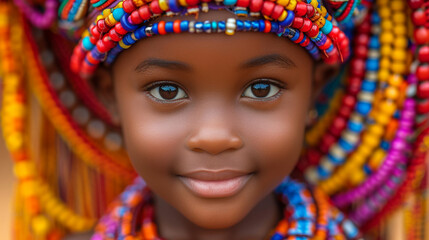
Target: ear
(322, 74)
(103, 86)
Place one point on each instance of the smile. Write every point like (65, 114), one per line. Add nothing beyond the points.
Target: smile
(215, 184)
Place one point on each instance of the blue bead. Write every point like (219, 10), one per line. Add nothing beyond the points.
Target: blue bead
(255, 25)
(277, 236)
(295, 36)
(369, 86)
(169, 27)
(86, 44)
(288, 20)
(240, 25)
(140, 33)
(274, 27)
(97, 55)
(155, 29)
(214, 26)
(355, 126)
(261, 25)
(372, 64)
(348, 147)
(375, 18)
(385, 145)
(349, 229)
(335, 160)
(221, 25)
(118, 13)
(363, 107)
(303, 40)
(247, 25)
(184, 26)
(323, 173)
(374, 42)
(199, 26)
(127, 25)
(174, 6)
(229, 2)
(327, 28)
(397, 114)
(207, 26)
(330, 48)
(367, 170)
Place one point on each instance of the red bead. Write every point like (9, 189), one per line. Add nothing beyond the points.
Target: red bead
(95, 32)
(306, 42)
(192, 2)
(365, 27)
(154, 7)
(414, 4)
(119, 29)
(255, 5)
(422, 72)
(313, 156)
(101, 47)
(361, 51)
(307, 25)
(326, 142)
(161, 28)
(114, 35)
(334, 33)
(144, 12)
(101, 26)
(301, 36)
(338, 126)
(353, 86)
(327, 44)
(297, 22)
(301, 9)
(92, 60)
(423, 89)
(423, 106)
(267, 26)
(277, 12)
(135, 18)
(176, 26)
(93, 39)
(345, 111)
(310, 11)
(349, 100)
(128, 6)
(424, 54)
(418, 17)
(357, 67)
(268, 8)
(421, 35)
(362, 39)
(243, 3)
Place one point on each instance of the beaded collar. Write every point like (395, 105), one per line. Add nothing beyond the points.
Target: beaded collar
(307, 215)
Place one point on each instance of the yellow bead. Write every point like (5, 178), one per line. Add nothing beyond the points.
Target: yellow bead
(14, 141)
(28, 188)
(399, 55)
(370, 140)
(376, 159)
(391, 93)
(401, 43)
(138, 3)
(314, 3)
(163, 5)
(386, 38)
(397, 5)
(384, 13)
(283, 3)
(383, 3)
(400, 30)
(399, 67)
(183, 3)
(106, 12)
(282, 16)
(292, 5)
(399, 18)
(357, 177)
(40, 225)
(396, 80)
(388, 107)
(24, 170)
(382, 118)
(386, 25)
(385, 52)
(383, 75)
(385, 63)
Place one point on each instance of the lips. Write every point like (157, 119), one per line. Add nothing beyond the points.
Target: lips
(215, 184)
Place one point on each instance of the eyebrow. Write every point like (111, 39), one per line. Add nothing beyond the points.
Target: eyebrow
(276, 59)
(156, 62)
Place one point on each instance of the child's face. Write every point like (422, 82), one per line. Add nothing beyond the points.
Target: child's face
(213, 123)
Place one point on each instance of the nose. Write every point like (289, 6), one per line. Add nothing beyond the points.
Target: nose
(214, 138)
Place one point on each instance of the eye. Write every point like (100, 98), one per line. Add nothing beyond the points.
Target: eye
(261, 89)
(167, 91)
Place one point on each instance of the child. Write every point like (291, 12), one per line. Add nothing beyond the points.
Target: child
(215, 123)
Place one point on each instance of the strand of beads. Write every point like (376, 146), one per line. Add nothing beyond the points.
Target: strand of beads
(41, 20)
(335, 153)
(308, 24)
(63, 122)
(391, 93)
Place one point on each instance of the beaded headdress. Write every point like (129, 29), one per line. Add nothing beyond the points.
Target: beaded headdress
(366, 147)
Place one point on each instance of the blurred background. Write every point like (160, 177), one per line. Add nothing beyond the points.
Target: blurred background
(6, 187)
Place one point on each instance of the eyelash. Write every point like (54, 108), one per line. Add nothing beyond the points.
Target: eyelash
(155, 85)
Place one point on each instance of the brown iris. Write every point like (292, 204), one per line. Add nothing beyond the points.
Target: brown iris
(261, 89)
(168, 91)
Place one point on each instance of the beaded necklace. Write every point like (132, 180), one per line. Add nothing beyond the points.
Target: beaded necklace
(307, 216)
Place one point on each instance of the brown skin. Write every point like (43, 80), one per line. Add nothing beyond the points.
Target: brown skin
(215, 123)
